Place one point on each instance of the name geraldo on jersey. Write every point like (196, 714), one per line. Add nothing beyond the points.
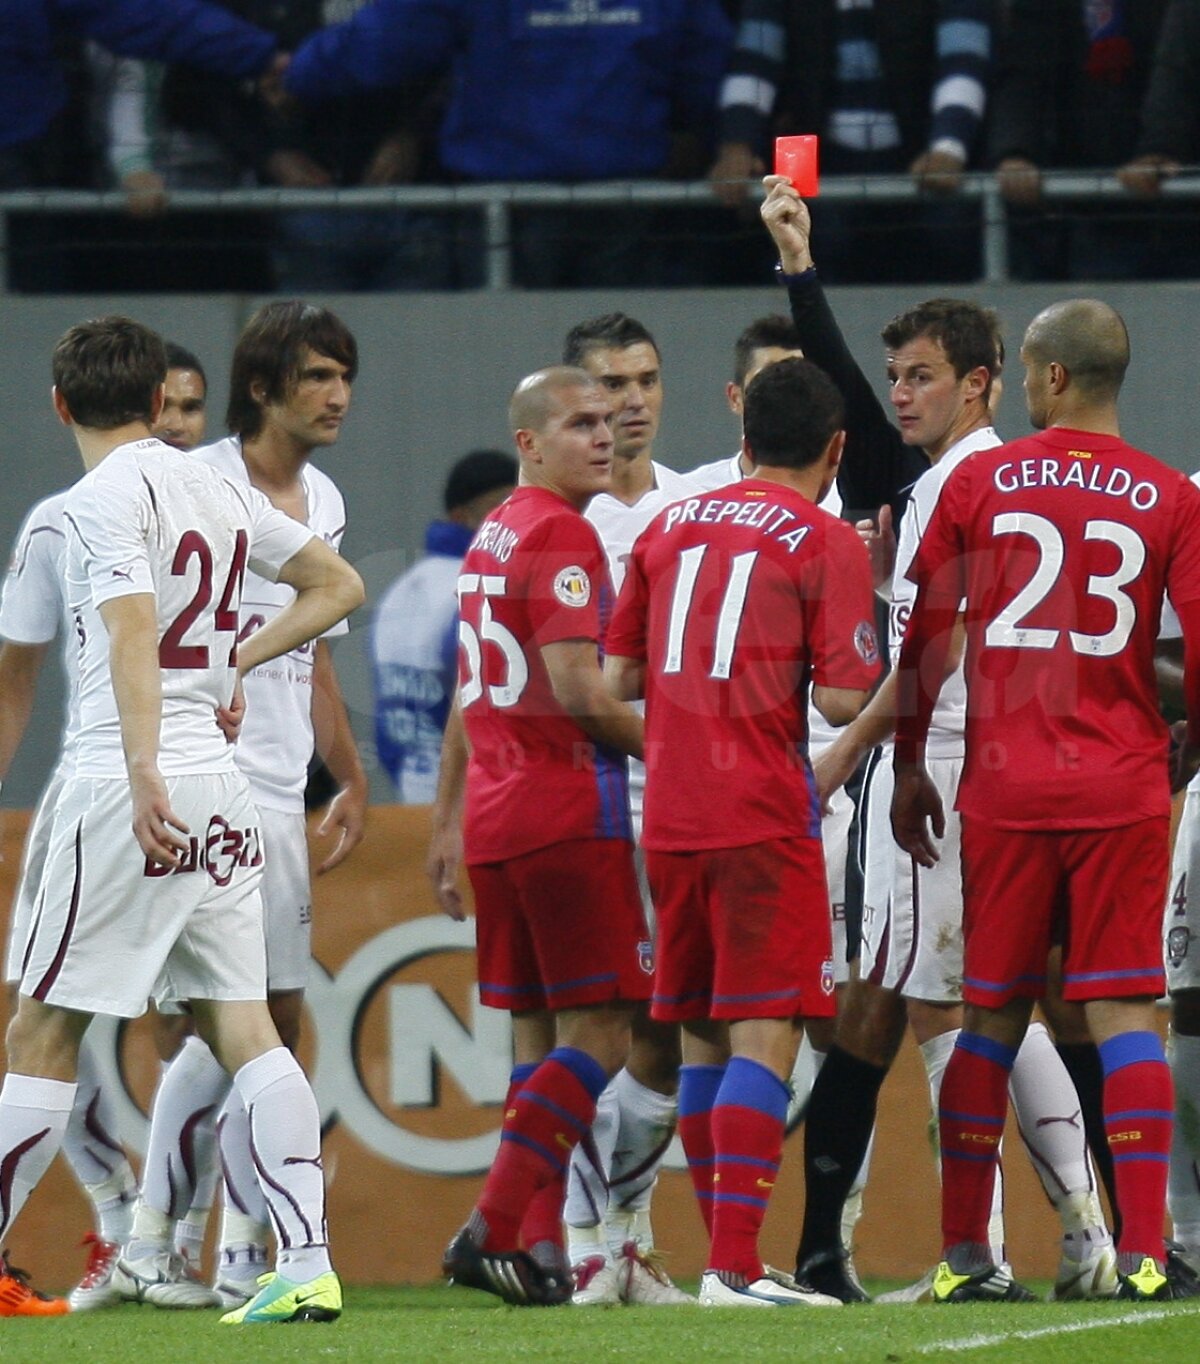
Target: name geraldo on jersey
(769, 518)
(1046, 471)
(222, 851)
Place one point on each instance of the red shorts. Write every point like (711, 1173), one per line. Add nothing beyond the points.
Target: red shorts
(561, 927)
(742, 932)
(1100, 891)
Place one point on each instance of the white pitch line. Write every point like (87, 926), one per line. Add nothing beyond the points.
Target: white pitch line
(980, 1342)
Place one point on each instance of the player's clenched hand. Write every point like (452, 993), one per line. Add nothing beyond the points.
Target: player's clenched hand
(785, 216)
(156, 826)
(916, 809)
(880, 541)
(442, 864)
(230, 717)
(347, 813)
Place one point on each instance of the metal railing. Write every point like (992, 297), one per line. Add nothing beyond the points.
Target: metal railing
(495, 202)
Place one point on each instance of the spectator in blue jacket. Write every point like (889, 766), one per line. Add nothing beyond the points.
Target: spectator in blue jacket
(548, 90)
(414, 635)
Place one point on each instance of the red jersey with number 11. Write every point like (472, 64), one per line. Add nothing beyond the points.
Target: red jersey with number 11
(1062, 545)
(535, 574)
(738, 600)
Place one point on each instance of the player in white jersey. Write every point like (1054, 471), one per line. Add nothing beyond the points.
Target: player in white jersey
(156, 553)
(289, 391)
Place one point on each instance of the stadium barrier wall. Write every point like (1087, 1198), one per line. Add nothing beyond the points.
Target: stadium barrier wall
(410, 1073)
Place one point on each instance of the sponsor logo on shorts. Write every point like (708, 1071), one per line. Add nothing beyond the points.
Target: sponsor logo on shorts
(646, 956)
(866, 642)
(573, 587)
(222, 851)
(1178, 941)
(827, 976)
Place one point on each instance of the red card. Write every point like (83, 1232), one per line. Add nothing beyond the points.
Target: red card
(796, 157)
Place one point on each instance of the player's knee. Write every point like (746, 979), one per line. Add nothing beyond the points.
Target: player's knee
(871, 1026)
(42, 1041)
(929, 1020)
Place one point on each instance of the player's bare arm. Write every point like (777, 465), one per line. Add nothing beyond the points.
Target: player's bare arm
(230, 717)
(625, 677)
(132, 626)
(443, 861)
(573, 666)
(20, 667)
(347, 813)
(839, 705)
(327, 590)
(786, 218)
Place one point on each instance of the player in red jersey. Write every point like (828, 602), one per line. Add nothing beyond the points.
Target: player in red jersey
(1061, 545)
(734, 603)
(561, 938)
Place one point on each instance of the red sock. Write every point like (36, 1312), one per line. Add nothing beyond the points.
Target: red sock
(747, 1131)
(543, 1218)
(1139, 1103)
(546, 1117)
(971, 1113)
(698, 1087)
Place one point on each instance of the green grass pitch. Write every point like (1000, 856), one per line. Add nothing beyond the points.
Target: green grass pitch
(442, 1324)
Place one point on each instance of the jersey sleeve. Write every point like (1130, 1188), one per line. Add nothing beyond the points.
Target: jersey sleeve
(111, 515)
(1183, 568)
(626, 635)
(565, 577)
(274, 536)
(31, 605)
(845, 649)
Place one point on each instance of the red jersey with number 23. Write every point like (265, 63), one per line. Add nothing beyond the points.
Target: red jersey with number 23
(738, 600)
(1062, 544)
(535, 574)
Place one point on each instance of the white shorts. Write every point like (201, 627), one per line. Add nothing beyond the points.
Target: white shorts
(912, 916)
(33, 863)
(111, 930)
(287, 898)
(835, 840)
(1181, 923)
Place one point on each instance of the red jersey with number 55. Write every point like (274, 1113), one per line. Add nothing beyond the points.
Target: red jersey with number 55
(739, 600)
(535, 574)
(1062, 544)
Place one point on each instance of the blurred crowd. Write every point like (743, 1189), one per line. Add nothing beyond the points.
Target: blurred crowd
(151, 97)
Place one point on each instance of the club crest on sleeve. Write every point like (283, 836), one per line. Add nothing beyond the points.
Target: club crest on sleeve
(573, 587)
(866, 642)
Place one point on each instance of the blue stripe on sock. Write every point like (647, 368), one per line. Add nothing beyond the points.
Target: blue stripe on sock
(744, 1200)
(963, 1155)
(698, 1087)
(586, 1069)
(521, 1072)
(748, 1160)
(1130, 1049)
(1162, 1113)
(747, 1084)
(1148, 1155)
(971, 1117)
(536, 1146)
(533, 1097)
(978, 1045)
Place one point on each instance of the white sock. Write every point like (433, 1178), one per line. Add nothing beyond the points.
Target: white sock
(587, 1180)
(94, 1152)
(852, 1209)
(242, 1256)
(33, 1118)
(285, 1145)
(1051, 1122)
(181, 1125)
(1183, 1181)
(243, 1195)
(189, 1235)
(646, 1126)
(151, 1232)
